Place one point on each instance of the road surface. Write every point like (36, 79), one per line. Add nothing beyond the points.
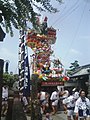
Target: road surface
(58, 116)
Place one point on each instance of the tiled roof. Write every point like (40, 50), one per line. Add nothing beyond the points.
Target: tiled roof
(82, 70)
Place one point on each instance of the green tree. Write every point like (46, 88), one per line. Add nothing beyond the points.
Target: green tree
(74, 65)
(9, 79)
(14, 12)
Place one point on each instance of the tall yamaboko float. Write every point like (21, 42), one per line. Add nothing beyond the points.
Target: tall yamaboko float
(40, 39)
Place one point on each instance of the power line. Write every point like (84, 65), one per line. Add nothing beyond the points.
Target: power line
(74, 38)
(69, 13)
(70, 10)
(61, 12)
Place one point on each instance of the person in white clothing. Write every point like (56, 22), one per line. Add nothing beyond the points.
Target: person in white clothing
(54, 100)
(43, 100)
(5, 92)
(82, 107)
(64, 94)
(4, 100)
(25, 103)
(69, 104)
(75, 93)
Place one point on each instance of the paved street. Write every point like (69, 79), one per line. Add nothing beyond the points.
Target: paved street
(58, 116)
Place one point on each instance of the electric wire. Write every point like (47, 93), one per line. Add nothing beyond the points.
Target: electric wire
(69, 13)
(61, 12)
(67, 16)
(77, 30)
(70, 10)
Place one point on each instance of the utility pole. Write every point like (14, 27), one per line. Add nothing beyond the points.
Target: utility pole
(1, 81)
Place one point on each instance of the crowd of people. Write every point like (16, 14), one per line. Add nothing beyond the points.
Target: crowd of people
(76, 106)
(75, 103)
(5, 96)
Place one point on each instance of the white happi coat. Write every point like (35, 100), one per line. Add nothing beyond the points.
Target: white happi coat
(81, 107)
(54, 98)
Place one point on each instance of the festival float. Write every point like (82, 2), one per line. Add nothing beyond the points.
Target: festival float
(40, 40)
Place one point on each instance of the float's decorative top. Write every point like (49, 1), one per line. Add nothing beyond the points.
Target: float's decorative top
(40, 39)
(41, 33)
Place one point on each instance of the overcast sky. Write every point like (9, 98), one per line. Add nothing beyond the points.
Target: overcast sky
(73, 35)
